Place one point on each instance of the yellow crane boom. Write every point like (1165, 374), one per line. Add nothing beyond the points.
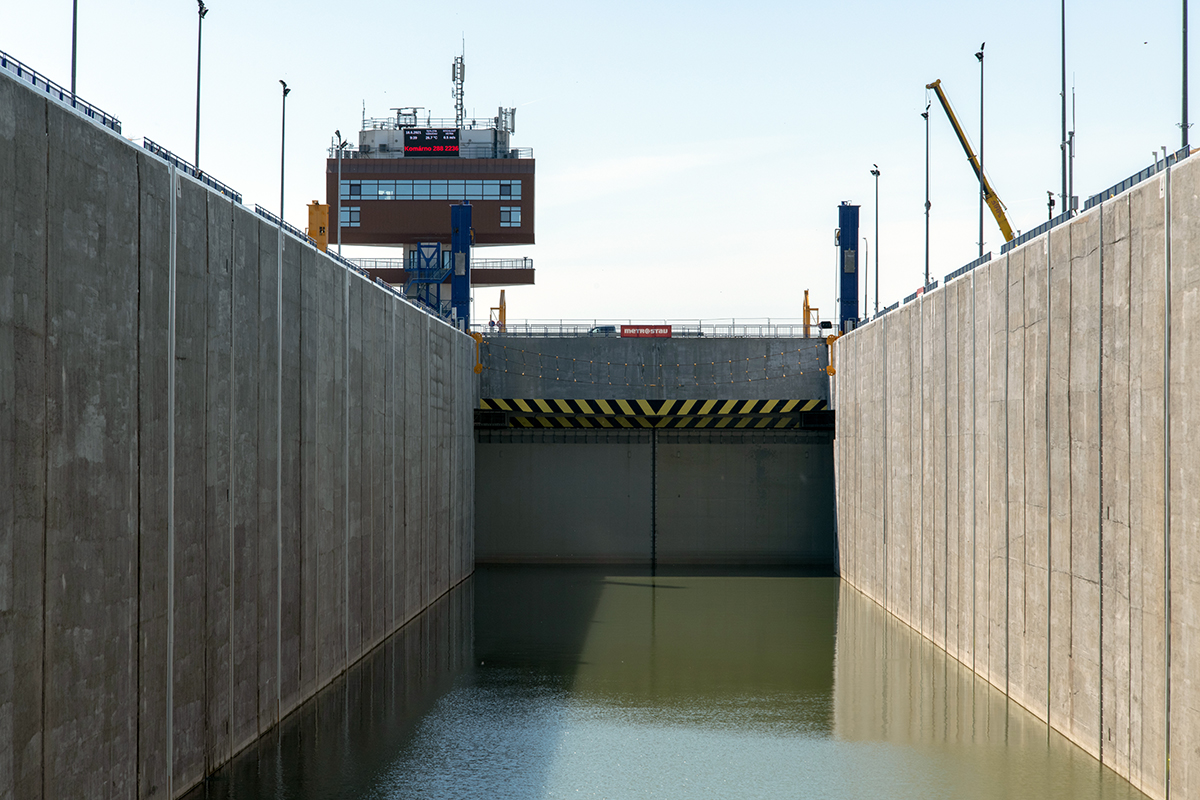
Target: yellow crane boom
(989, 194)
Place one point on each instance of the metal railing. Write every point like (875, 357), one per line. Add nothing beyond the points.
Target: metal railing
(184, 166)
(292, 229)
(476, 263)
(63, 95)
(399, 121)
(680, 329)
(465, 151)
(963, 270)
(1135, 179)
(1066, 216)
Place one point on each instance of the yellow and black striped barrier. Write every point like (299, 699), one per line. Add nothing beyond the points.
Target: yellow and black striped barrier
(638, 414)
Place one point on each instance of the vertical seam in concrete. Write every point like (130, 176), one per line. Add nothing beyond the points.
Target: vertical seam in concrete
(946, 466)
(232, 406)
(1049, 503)
(346, 471)
(1100, 469)
(137, 651)
(653, 501)
(1167, 471)
(171, 288)
(921, 384)
(1007, 478)
(279, 475)
(974, 477)
(392, 408)
(883, 340)
(46, 378)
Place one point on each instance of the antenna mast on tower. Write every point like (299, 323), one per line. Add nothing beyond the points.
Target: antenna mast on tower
(457, 74)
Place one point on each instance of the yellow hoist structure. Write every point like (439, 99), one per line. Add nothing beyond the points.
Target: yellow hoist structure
(318, 224)
(989, 195)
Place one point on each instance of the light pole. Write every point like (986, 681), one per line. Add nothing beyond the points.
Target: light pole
(1184, 124)
(925, 115)
(282, 140)
(199, 33)
(341, 144)
(1063, 146)
(875, 172)
(982, 194)
(74, 32)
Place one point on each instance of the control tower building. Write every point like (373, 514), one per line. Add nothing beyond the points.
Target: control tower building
(397, 185)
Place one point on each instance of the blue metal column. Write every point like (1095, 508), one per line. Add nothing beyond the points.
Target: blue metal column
(848, 262)
(460, 274)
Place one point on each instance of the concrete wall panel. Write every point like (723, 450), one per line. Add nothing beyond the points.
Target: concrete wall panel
(23, 225)
(1148, 716)
(1184, 476)
(1116, 334)
(245, 456)
(1032, 688)
(1013, 408)
(1083, 403)
(218, 468)
(1061, 583)
(91, 617)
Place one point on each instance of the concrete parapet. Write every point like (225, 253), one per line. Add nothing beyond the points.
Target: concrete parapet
(712, 368)
(1057, 390)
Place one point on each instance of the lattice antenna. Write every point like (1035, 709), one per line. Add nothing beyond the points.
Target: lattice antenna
(458, 74)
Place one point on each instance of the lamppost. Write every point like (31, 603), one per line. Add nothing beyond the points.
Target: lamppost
(1184, 125)
(199, 34)
(74, 31)
(282, 140)
(1063, 146)
(875, 172)
(341, 144)
(925, 115)
(982, 194)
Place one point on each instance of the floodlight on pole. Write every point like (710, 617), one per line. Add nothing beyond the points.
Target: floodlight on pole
(341, 145)
(875, 172)
(74, 38)
(202, 10)
(925, 116)
(282, 141)
(982, 191)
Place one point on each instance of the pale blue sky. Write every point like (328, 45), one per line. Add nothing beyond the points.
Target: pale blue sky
(690, 155)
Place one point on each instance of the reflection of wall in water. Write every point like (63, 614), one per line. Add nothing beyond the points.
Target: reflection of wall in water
(362, 719)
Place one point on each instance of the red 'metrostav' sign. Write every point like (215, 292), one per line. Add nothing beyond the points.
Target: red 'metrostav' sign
(646, 331)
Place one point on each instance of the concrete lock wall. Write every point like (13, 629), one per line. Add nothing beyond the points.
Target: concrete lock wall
(1007, 485)
(229, 468)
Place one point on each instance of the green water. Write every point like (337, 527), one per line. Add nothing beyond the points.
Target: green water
(541, 682)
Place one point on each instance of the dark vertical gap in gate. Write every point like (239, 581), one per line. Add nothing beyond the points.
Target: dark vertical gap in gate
(653, 501)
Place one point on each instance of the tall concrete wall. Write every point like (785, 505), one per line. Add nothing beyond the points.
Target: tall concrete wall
(1018, 476)
(630, 369)
(228, 467)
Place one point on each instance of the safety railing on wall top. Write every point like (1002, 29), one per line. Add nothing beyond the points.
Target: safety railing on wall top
(680, 329)
(190, 169)
(63, 95)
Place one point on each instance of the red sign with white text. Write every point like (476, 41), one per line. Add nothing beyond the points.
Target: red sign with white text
(645, 331)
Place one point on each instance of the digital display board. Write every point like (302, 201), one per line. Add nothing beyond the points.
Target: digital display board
(430, 142)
